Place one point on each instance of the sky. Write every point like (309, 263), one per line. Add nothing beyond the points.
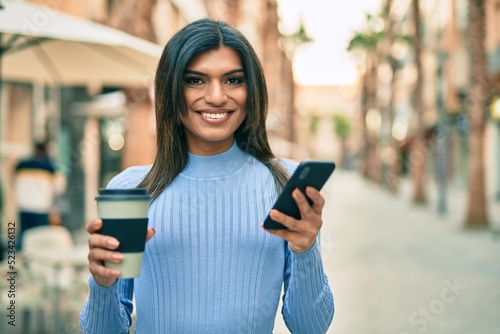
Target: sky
(331, 24)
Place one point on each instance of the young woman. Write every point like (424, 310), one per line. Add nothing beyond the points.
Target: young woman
(209, 266)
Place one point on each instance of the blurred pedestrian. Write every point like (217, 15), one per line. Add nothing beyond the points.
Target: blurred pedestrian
(36, 184)
(208, 266)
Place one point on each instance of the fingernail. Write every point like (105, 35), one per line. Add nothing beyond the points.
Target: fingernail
(276, 214)
(113, 243)
(115, 272)
(117, 257)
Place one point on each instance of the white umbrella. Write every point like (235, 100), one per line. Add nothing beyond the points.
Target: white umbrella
(40, 44)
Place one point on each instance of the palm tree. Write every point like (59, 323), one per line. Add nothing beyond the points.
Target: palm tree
(477, 215)
(418, 151)
(366, 42)
(277, 61)
(393, 173)
(391, 176)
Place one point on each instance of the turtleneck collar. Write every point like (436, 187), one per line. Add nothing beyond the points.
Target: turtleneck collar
(215, 166)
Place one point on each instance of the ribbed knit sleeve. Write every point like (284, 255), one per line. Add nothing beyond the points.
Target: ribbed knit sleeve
(307, 301)
(109, 309)
(308, 305)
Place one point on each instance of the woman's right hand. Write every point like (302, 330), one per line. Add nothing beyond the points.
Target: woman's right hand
(102, 248)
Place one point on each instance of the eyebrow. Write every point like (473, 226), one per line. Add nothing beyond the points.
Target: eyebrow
(187, 71)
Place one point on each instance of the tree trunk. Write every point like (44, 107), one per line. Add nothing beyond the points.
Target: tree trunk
(279, 78)
(372, 159)
(364, 130)
(478, 98)
(419, 152)
(394, 170)
(392, 175)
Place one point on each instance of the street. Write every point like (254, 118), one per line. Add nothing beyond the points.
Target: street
(395, 268)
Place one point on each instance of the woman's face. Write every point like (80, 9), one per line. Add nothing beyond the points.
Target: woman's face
(216, 95)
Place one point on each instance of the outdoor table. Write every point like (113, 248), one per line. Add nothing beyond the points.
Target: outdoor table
(57, 260)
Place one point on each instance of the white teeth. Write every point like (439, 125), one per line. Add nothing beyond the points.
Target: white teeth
(214, 116)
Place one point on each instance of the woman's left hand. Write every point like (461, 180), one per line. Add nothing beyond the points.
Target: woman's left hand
(301, 234)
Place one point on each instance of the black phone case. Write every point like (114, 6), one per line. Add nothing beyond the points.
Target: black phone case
(312, 173)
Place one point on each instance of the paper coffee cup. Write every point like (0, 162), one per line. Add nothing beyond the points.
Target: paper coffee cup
(124, 214)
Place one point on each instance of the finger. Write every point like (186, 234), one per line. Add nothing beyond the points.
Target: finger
(103, 275)
(302, 203)
(280, 217)
(103, 241)
(150, 233)
(296, 241)
(100, 271)
(100, 255)
(307, 228)
(317, 198)
(93, 225)
(282, 233)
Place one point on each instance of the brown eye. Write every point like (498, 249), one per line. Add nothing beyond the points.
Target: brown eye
(193, 81)
(236, 81)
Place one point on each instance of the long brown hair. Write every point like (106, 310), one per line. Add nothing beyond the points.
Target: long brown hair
(172, 154)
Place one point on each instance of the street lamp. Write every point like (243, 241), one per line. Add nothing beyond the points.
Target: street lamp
(495, 115)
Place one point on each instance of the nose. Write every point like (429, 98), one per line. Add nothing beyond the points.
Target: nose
(215, 94)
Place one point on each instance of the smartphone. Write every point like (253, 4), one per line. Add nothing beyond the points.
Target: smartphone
(312, 173)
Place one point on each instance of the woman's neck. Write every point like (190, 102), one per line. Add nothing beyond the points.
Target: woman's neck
(217, 165)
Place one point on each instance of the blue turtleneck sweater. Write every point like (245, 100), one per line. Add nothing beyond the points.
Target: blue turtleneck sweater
(211, 268)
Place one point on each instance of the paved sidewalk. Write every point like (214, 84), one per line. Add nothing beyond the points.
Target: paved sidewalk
(400, 269)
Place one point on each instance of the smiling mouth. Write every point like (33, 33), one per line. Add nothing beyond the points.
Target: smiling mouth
(215, 115)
